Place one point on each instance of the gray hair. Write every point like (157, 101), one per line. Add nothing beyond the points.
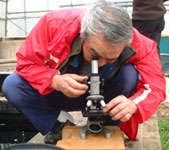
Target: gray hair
(108, 19)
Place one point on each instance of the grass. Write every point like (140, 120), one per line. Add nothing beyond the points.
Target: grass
(164, 133)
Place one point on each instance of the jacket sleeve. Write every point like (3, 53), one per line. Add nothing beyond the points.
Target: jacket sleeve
(150, 90)
(33, 54)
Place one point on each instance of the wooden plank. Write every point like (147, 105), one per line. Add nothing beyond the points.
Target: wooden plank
(71, 140)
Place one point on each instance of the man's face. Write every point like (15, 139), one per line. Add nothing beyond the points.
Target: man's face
(100, 48)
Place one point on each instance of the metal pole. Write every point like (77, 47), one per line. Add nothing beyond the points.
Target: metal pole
(6, 19)
(47, 5)
(25, 18)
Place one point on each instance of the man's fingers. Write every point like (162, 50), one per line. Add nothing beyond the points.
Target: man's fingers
(120, 108)
(79, 78)
(77, 85)
(112, 104)
(119, 115)
(117, 109)
(126, 117)
(71, 92)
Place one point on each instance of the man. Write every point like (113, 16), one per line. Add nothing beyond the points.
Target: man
(54, 61)
(148, 18)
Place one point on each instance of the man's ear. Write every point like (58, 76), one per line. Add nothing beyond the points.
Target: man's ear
(82, 38)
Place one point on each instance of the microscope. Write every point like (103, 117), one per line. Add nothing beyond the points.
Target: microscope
(94, 135)
(94, 106)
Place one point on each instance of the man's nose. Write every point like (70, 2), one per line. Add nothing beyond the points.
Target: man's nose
(102, 62)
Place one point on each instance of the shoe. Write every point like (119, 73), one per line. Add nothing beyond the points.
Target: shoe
(55, 134)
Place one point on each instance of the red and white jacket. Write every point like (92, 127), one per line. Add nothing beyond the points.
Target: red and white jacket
(49, 43)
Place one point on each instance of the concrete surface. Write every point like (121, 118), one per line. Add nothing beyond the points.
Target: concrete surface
(9, 47)
(149, 138)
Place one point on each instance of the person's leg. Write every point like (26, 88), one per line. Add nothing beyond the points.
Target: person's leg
(28, 101)
(150, 28)
(41, 111)
(159, 28)
(123, 83)
(58, 100)
(145, 27)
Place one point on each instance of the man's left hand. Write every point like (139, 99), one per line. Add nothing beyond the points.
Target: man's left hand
(120, 108)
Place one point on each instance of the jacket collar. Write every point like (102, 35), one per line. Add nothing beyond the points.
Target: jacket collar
(126, 54)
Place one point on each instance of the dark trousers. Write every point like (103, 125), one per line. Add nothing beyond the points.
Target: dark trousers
(42, 110)
(150, 28)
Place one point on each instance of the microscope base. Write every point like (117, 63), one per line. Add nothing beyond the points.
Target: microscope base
(71, 139)
(84, 131)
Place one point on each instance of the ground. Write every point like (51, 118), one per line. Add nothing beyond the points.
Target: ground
(163, 111)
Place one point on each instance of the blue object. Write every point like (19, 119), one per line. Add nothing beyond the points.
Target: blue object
(164, 48)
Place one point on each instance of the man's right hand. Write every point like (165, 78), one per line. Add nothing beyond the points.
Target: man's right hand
(71, 85)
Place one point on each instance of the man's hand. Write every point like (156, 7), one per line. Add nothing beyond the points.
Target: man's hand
(120, 108)
(71, 85)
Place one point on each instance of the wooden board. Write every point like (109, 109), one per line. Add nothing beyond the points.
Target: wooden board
(71, 140)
